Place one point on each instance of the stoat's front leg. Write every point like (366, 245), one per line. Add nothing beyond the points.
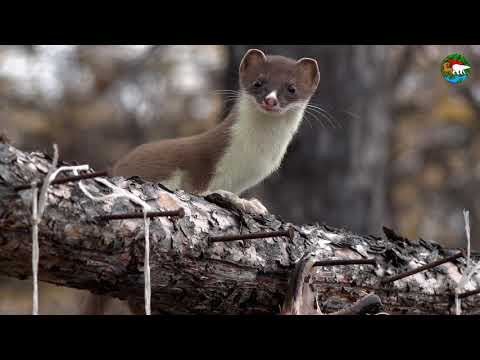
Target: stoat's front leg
(252, 206)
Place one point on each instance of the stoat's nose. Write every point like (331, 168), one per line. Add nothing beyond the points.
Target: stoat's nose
(271, 99)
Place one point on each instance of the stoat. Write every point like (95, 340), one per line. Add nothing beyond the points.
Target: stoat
(248, 145)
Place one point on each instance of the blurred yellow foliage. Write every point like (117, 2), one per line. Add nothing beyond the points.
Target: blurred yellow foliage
(453, 109)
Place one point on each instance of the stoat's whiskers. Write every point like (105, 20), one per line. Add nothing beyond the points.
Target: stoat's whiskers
(314, 110)
(230, 96)
(230, 92)
(227, 91)
(312, 114)
(298, 107)
(321, 111)
(308, 111)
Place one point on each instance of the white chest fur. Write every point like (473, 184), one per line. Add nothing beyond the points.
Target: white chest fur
(258, 143)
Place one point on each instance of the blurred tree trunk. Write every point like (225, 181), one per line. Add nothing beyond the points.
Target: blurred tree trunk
(344, 168)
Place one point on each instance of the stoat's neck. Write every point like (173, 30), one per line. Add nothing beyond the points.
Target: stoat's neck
(257, 145)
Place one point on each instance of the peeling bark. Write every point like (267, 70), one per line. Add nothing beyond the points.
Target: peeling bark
(189, 275)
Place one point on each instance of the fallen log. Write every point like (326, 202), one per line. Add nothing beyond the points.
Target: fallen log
(82, 247)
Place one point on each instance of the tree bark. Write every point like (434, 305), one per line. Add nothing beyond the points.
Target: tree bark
(190, 275)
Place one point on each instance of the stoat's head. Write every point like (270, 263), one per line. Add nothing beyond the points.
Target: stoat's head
(277, 84)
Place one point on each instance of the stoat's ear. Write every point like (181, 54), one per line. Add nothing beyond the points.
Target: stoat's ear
(252, 57)
(309, 71)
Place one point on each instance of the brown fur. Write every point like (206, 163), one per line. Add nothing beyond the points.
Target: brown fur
(275, 72)
(195, 155)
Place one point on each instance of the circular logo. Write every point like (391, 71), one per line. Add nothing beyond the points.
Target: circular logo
(455, 68)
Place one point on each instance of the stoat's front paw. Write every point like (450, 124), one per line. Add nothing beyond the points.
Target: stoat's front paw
(252, 206)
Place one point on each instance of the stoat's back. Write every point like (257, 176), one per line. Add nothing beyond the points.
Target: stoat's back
(187, 163)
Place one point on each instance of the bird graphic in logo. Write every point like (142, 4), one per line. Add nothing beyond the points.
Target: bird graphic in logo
(455, 68)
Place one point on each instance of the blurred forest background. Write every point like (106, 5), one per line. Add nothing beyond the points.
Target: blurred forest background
(398, 146)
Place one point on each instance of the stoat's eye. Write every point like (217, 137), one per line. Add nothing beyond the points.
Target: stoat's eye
(257, 83)
(291, 89)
